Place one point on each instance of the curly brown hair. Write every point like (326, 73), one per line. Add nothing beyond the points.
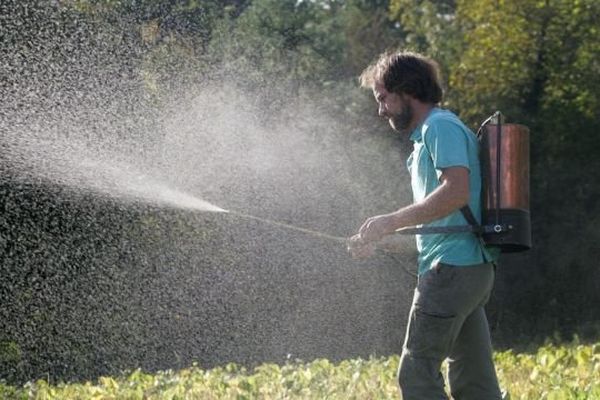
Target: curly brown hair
(405, 72)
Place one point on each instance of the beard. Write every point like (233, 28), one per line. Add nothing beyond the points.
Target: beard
(401, 121)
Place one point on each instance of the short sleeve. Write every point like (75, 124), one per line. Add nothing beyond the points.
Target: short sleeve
(448, 145)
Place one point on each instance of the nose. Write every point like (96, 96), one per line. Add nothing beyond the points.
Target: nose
(381, 110)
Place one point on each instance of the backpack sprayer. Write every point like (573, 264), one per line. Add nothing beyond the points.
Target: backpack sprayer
(505, 169)
(504, 156)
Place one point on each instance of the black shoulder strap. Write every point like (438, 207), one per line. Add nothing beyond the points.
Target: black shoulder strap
(468, 214)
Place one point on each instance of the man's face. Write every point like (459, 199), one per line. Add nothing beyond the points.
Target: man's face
(395, 107)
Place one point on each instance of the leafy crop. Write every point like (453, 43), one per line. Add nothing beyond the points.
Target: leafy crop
(553, 372)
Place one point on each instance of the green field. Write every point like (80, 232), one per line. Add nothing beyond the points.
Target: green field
(553, 372)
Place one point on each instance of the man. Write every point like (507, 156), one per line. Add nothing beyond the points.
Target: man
(455, 273)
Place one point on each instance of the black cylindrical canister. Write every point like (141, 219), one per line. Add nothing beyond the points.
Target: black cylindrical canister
(505, 171)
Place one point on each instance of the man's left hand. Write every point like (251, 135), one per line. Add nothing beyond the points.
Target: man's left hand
(376, 227)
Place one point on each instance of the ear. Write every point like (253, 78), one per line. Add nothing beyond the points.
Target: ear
(413, 101)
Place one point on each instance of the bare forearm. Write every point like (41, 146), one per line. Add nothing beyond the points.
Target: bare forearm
(440, 203)
(450, 195)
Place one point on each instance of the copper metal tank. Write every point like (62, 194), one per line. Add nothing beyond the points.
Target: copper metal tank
(505, 171)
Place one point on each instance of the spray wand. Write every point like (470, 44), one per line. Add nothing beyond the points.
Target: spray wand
(386, 243)
(310, 232)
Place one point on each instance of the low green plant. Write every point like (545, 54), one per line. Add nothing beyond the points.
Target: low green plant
(553, 372)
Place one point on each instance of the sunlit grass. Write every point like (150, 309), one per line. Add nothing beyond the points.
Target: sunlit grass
(553, 372)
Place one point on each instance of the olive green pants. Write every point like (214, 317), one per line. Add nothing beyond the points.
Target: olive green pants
(447, 320)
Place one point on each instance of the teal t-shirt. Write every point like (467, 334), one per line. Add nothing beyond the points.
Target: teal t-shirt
(443, 141)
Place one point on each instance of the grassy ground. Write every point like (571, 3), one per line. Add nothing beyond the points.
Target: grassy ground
(569, 371)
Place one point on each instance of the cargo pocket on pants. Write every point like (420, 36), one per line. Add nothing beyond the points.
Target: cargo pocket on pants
(430, 335)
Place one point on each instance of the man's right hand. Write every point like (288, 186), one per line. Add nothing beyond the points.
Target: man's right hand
(358, 248)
